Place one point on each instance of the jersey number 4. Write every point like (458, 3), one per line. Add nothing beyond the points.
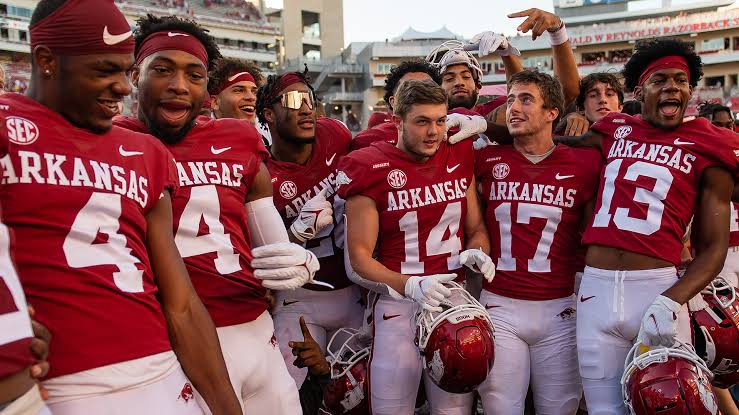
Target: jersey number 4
(204, 205)
(101, 215)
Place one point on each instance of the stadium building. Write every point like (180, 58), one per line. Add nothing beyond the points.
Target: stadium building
(239, 27)
(603, 34)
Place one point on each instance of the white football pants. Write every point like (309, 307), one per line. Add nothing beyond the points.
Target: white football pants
(257, 370)
(30, 403)
(611, 305)
(731, 266)
(534, 342)
(170, 395)
(396, 368)
(324, 312)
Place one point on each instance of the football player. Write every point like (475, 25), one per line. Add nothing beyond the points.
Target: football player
(89, 205)
(411, 69)
(715, 114)
(18, 391)
(417, 203)
(305, 152)
(232, 86)
(600, 94)
(225, 199)
(536, 195)
(659, 172)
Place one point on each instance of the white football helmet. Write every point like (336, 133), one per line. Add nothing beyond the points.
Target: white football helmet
(452, 52)
(348, 357)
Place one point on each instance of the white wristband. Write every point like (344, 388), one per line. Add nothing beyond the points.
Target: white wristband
(559, 37)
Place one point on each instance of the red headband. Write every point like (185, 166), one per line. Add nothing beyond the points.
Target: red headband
(665, 62)
(235, 79)
(84, 27)
(283, 81)
(172, 40)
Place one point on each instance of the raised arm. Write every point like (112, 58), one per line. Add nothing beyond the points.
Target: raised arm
(191, 331)
(565, 68)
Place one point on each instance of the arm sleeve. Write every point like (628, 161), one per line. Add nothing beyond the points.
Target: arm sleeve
(265, 223)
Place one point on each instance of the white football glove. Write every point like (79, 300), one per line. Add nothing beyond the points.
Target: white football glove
(284, 265)
(469, 126)
(315, 215)
(479, 262)
(481, 142)
(429, 291)
(659, 324)
(493, 43)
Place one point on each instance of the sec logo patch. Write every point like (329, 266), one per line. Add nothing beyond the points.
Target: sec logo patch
(288, 189)
(501, 170)
(21, 131)
(397, 178)
(622, 132)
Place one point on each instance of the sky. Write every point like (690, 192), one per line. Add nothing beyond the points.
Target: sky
(377, 20)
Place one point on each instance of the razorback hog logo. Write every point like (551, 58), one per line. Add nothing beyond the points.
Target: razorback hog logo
(186, 394)
(567, 313)
(397, 178)
(288, 190)
(21, 131)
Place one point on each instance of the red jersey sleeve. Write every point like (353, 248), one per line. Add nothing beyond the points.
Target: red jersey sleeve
(354, 175)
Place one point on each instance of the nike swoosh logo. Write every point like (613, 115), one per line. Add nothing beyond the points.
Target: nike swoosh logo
(448, 170)
(286, 303)
(219, 150)
(584, 299)
(488, 307)
(125, 153)
(236, 76)
(111, 40)
(679, 143)
(388, 317)
(560, 177)
(331, 160)
(171, 34)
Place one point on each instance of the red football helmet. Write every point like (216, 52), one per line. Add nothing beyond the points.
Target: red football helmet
(667, 381)
(457, 344)
(349, 360)
(715, 323)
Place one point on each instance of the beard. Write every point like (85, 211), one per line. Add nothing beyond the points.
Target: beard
(168, 137)
(464, 102)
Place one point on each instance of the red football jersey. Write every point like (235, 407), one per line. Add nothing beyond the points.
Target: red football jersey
(650, 184)
(217, 162)
(15, 325)
(421, 207)
(76, 203)
(485, 109)
(386, 132)
(294, 185)
(534, 215)
(734, 225)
